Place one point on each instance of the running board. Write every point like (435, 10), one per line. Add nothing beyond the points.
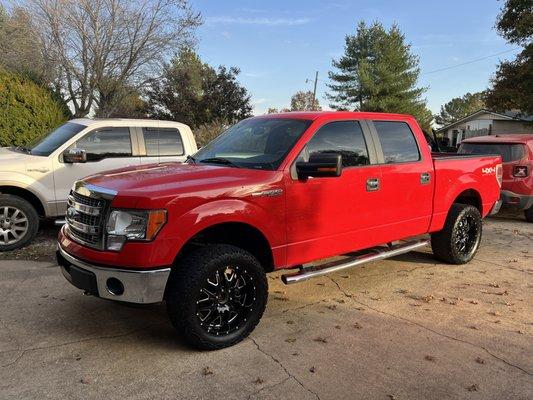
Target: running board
(377, 254)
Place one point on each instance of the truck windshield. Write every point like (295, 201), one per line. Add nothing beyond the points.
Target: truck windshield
(259, 143)
(508, 151)
(45, 146)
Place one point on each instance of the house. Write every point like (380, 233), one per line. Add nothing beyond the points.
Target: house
(486, 122)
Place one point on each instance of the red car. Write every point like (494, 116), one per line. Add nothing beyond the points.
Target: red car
(272, 192)
(517, 155)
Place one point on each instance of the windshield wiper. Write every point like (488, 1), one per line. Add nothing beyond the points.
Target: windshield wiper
(23, 149)
(191, 158)
(220, 160)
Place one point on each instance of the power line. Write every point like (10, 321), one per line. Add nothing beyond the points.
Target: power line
(468, 62)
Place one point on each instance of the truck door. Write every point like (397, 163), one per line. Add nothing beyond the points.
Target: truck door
(406, 180)
(334, 215)
(106, 148)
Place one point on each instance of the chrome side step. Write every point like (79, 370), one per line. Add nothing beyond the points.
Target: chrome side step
(59, 222)
(377, 254)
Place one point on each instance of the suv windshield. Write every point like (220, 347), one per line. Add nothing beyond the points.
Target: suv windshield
(508, 151)
(47, 145)
(260, 143)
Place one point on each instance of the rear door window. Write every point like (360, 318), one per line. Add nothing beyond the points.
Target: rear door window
(397, 142)
(163, 142)
(509, 152)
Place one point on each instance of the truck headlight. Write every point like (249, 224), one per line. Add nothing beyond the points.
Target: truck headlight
(124, 225)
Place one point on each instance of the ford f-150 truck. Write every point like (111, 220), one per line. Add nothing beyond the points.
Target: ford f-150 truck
(272, 192)
(517, 157)
(35, 181)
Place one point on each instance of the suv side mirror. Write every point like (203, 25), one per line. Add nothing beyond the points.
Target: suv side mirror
(74, 155)
(320, 165)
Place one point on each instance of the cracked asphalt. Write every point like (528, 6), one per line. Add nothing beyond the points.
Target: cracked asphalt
(404, 328)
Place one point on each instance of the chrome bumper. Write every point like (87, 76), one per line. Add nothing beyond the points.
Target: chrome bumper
(142, 287)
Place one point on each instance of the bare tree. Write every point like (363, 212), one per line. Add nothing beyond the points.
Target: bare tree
(106, 48)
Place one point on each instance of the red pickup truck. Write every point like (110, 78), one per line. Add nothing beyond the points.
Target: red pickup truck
(273, 192)
(517, 156)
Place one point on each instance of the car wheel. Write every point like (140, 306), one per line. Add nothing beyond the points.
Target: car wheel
(216, 296)
(528, 213)
(459, 240)
(19, 222)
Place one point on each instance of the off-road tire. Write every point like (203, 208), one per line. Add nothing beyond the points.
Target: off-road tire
(184, 289)
(528, 213)
(445, 242)
(14, 202)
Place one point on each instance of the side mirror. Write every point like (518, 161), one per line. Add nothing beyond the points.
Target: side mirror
(74, 155)
(320, 165)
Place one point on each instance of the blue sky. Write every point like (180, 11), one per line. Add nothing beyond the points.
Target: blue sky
(279, 44)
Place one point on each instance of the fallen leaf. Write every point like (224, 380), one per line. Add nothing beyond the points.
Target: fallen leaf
(473, 388)
(429, 358)
(312, 370)
(337, 327)
(207, 371)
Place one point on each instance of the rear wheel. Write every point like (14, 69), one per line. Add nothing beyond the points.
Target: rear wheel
(528, 213)
(19, 222)
(459, 240)
(216, 296)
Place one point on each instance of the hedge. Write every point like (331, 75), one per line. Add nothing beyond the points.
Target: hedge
(27, 110)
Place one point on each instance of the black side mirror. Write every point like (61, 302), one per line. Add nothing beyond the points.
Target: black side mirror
(74, 155)
(320, 165)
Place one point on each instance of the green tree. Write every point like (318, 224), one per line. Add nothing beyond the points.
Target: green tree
(192, 92)
(378, 72)
(512, 84)
(303, 101)
(460, 107)
(27, 110)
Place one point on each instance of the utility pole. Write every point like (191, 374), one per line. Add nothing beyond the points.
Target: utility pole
(314, 91)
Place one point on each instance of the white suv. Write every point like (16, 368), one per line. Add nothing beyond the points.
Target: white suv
(35, 181)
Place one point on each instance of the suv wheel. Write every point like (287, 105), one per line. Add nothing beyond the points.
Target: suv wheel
(459, 240)
(19, 222)
(216, 296)
(528, 213)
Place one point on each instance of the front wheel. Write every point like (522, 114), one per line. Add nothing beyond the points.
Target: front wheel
(459, 240)
(216, 296)
(19, 222)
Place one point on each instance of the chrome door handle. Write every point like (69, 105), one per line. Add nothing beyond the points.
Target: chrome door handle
(425, 178)
(372, 184)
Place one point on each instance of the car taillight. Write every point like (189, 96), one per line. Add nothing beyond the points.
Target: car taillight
(499, 174)
(520, 171)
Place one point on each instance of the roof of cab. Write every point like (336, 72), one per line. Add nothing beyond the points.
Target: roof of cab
(312, 115)
(508, 138)
(125, 122)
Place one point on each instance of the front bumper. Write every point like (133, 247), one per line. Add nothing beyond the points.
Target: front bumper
(131, 286)
(521, 201)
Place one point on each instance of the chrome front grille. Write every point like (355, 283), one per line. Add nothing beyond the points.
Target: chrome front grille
(87, 211)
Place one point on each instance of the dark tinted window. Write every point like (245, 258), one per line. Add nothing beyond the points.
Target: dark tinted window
(509, 152)
(343, 137)
(261, 143)
(162, 142)
(106, 143)
(47, 145)
(397, 141)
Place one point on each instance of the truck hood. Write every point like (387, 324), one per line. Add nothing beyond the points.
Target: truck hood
(174, 179)
(12, 160)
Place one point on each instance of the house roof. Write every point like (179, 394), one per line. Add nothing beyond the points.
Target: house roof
(507, 115)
